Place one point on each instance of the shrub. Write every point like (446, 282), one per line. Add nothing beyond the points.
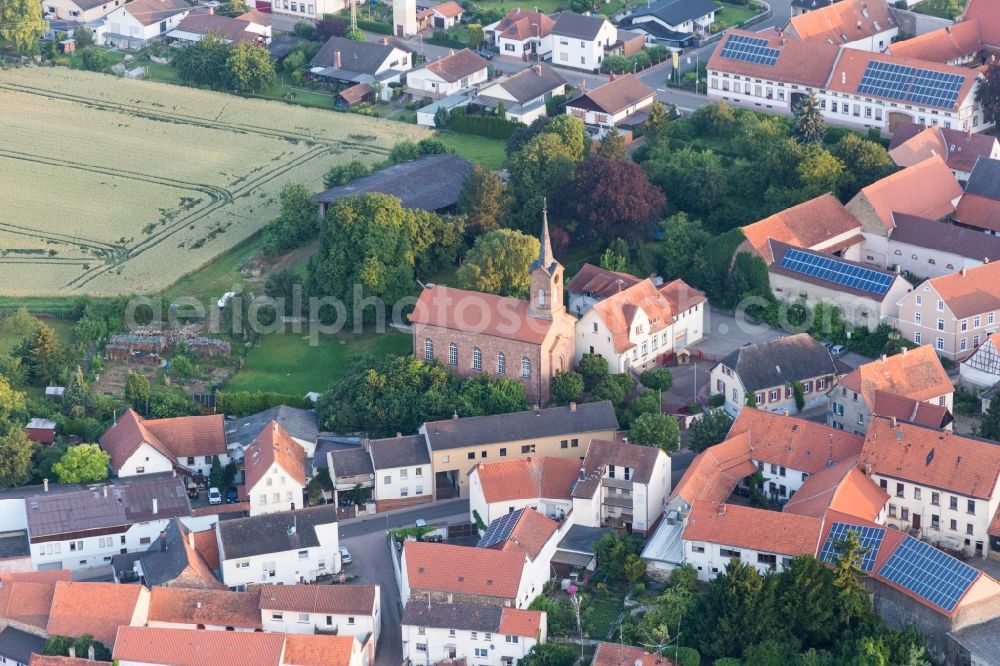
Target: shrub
(717, 400)
(491, 127)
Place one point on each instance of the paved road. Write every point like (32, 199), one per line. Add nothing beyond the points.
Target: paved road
(404, 517)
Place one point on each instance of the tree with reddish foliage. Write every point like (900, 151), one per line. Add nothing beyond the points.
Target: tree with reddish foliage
(330, 27)
(560, 243)
(613, 198)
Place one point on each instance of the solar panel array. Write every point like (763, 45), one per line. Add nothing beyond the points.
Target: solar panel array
(911, 84)
(929, 573)
(869, 537)
(750, 49)
(838, 272)
(499, 530)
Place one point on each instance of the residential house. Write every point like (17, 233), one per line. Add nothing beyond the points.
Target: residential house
(621, 102)
(442, 16)
(542, 483)
(983, 12)
(770, 371)
(533, 535)
(979, 207)
(954, 312)
(187, 444)
(459, 444)
(149, 646)
(927, 248)
(982, 367)
(172, 560)
(96, 609)
(26, 599)
(912, 144)
(82, 529)
(345, 610)
(134, 24)
(311, 10)
(943, 487)
(212, 610)
(637, 327)
(253, 27)
(300, 424)
(911, 385)
(459, 70)
(619, 654)
(347, 62)
(821, 224)
(477, 633)
(523, 95)
(593, 284)
(957, 44)
(841, 487)
(574, 555)
(471, 332)
(522, 35)
(581, 41)
(403, 473)
(675, 22)
(622, 485)
(16, 646)
(275, 471)
(803, 6)
(279, 548)
(79, 11)
(351, 470)
(852, 24)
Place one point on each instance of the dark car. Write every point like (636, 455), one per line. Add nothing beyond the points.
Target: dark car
(484, 53)
(231, 495)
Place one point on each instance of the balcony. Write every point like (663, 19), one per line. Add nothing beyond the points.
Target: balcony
(621, 501)
(608, 482)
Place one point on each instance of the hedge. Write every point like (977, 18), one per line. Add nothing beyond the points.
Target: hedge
(244, 403)
(441, 38)
(374, 26)
(491, 127)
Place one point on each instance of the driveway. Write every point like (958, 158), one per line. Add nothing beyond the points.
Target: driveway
(725, 333)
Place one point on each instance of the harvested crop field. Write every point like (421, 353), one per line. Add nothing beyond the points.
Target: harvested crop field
(112, 186)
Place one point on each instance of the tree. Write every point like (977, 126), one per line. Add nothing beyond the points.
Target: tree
(612, 146)
(864, 161)
(476, 35)
(15, 457)
(171, 404)
(695, 181)
(711, 429)
(234, 8)
(566, 387)
(683, 240)
(799, 392)
(819, 172)
(250, 67)
(808, 125)
(615, 260)
(22, 23)
(807, 583)
(729, 616)
(656, 379)
(216, 477)
(328, 27)
(204, 62)
(297, 222)
(342, 174)
(83, 463)
(612, 550)
(137, 391)
(594, 368)
(550, 654)
(572, 132)
(498, 263)
(988, 93)
(60, 646)
(76, 392)
(659, 430)
(748, 277)
(304, 30)
(356, 35)
(294, 61)
(45, 355)
(543, 166)
(655, 127)
(483, 200)
(613, 198)
(95, 59)
(852, 598)
(12, 403)
(633, 568)
(610, 389)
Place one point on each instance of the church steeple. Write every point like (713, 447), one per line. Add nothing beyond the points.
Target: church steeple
(546, 276)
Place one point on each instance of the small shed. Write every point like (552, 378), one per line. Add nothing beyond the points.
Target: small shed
(351, 97)
(67, 45)
(42, 431)
(55, 393)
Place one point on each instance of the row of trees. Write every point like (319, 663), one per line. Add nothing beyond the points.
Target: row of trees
(214, 63)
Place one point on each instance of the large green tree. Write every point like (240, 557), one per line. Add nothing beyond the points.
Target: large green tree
(250, 67)
(612, 198)
(498, 263)
(865, 162)
(15, 457)
(297, 223)
(710, 429)
(989, 427)
(46, 356)
(137, 391)
(551, 654)
(566, 387)
(22, 23)
(83, 463)
(734, 612)
(808, 125)
(852, 598)
(538, 170)
(204, 63)
(12, 402)
(659, 430)
(483, 200)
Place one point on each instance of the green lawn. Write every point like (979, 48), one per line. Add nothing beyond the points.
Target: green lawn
(487, 153)
(9, 337)
(217, 277)
(948, 9)
(601, 614)
(288, 364)
(548, 6)
(731, 15)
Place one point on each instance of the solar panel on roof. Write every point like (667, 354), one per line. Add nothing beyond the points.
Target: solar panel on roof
(836, 271)
(869, 537)
(500, 529)
(929, 573)
(750, 49)
(911, 84)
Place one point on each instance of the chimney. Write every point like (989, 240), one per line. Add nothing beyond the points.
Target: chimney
(947, 29)
(399, 435)
(722, 509)
(191, 540)
(612, 77)
(72, 652)
(105, 490)
(962, 271)
(156, 503)
(583, 473)
(385, 41)
(198, 605)
(538, 69)
(883, 358)
(451, 52)
(163, 541)
(336, 59)
(45, 485)
(904, 351)
(572, 406)
(843, 78)
(90, 652)
(454, 417)
(893, 422)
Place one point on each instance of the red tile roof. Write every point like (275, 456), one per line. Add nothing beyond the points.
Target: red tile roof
(532, 531)
(175, 438)
(458, 65)
(794, 443)
(842, 22)
(842, 487)
(26, 601)
(190, 647)
(715, 471)
(206, 544)
(994, 528)
(148, 12)
(616, 654)
(256, 17)
(36, 576)
(208, 607)
(947, 44)
(908, 409)
(619, 310)
(449, 9)
(97, 609)
(274, 446)
(803, 63)
(916, 374)
(462, 569)
(519, 25)
(528, 478)
(600, 282)
(615, 96)
(807, 225)
(40, 660)
(930, 457)
(330, 599)
(912, 144)
(473, 312)
(926, 189)
(970, 291)
(515, 622)
(978, 211)
(318, 650)
(986, 14)
(757, 529)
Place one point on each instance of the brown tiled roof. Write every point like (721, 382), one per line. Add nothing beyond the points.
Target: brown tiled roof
(842, 487)
(274, 445)
(208, 607)
(355, 93)
(448, 9)
(715, 471)
(478, 313)
(149, 12)
(40, 660)
(915, 373)
(600, 282)
(803, 63)
(912, 144)
(932, 457)
(757, 529)
(49, 577)
(530, 534)
(527, 478)
(948, 43)
(232, 29)
(985, 13)
(519, 25)
(26, 601)
(461, 569)
(256, 17)
(458, 65)
(97, 609)
(615, 96)
(190, 647)
(926, 189)
(794, 443)
(331, 599)
(994, 528)
(618, 312)
(602, 453)
(681, 296)
(978, 211)
(970, 292)
(807, 225)
(851, 65)
(908, 409)
(206, 544)
(617, 654)
(516, 622)
(842, 22)
(175, 437)
(318, 650)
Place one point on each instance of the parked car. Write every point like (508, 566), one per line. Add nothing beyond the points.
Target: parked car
(826, 343)
(345, 555)
(214, 496)
(231, 495)
(837, 350)
(484, 53)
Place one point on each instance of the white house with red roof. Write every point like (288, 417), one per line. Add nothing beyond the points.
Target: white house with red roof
(149, 446)
(542, 483)
(853, 24)
(274, 466)
(522, 34)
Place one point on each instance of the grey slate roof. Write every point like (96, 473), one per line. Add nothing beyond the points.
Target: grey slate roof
(476, 430)
(982, 640)
(351, 462)
(602, 454)
(359, 57)
(985, 179)
(777, 362)
(462, 617)
(581, 539)
(394, 452)
(578, 26)
(429, 183)
(14, 544)
(270, 533)
(299, 423)
(676, 12)
(159, 565)
(17, 645)
(945, 237)
(532, 83)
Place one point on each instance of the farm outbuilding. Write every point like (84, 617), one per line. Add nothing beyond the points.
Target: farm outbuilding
(351, 97)
(42, 431)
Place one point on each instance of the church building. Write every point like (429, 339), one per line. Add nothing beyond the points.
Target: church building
(470, 332)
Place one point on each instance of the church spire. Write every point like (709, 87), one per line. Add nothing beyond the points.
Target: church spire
(545, 258)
